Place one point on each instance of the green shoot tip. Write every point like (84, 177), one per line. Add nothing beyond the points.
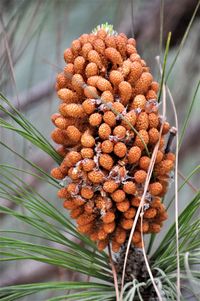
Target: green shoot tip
(107, 27)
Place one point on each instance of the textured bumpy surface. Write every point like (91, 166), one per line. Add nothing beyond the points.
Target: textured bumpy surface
(108, 125)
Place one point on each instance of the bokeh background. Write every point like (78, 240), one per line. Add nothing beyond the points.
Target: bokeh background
(33, 37)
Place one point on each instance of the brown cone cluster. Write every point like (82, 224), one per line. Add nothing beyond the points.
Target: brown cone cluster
(104, 158)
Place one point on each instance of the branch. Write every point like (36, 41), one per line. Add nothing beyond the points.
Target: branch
(31, 272)
(34, 95)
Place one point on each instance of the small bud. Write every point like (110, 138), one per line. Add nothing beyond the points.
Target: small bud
(142, 121)
(109, 118)
(139, 102)
(104, 131)
(140, 176)
(106, 161)
(120, 149)
(110, 186)
(88, 164)
(109, 217)
(126, 223)
(134, 154)
(107, 146)
(87, 192)
(123, 206)
(116, 77)
(113, 55)
(129, 187)
(130, 213)
(73, 133)
(95, 119)
(91, 69)
(88, 106)
(142, 139)
(118, 195)
(87, 152)
(57, 174)
(94, 57)
(95, 177)
(103, 84)
(125, 91)
(87, 140)
(155, 188)
(119, 131)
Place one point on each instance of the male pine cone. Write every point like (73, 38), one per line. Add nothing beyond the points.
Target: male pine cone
(108, 125)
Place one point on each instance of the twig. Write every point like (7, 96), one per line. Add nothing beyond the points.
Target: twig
(187, 181)
(176, 198)
(172, 134)
(114, 273)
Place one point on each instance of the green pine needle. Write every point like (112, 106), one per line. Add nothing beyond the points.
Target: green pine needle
(26, 129)
(189, 111)
(164, 66)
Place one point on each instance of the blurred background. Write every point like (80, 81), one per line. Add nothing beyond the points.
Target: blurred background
(33, 37)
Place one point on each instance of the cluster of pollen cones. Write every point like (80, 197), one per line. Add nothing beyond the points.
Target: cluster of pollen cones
(107, 127)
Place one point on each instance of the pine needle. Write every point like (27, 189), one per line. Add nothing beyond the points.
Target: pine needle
(186, 181)
(176, 198)
(164, 65)
(189, 111)
(183, 41)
